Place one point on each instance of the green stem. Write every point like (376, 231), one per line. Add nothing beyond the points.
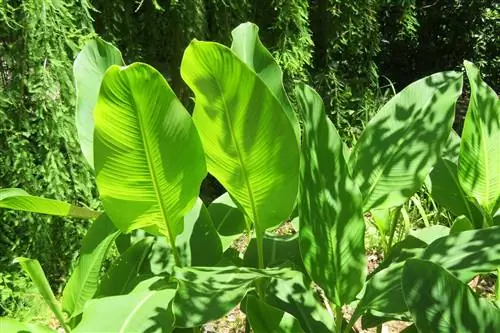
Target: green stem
(259, 236)
(394, 224)
(339, 318)
(379, 328)
(355, 315)
(197, 329)
(498, 284)
(175, 253)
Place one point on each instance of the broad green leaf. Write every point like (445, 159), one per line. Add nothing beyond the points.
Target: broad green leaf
(330, 207)
(9, 325)
(124, 272)
(430, 234)
(468, 253)
(296, 296)
(228, 219)
(479, 161)
(439, 302)
(83, 283)
(404, 140)
(144, 143)
(374, 318)
(451, 149)
(199, 244)
(465, 255)
(15, 198)
(445, 189)
(89, 68)
(383, 291)
(278, 249)
(461, 223)
(248, 47)
(148, 308)
(409, 247)
(34, 270)
(382, 219)
(248, 139)
(208, 293)
(264, 318)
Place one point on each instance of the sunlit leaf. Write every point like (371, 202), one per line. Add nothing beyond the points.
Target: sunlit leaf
(34, 270)
(400, 145)
(248, 139)
(15, 198)
(13, 326)
(144, 143)
(479, 162)
(248, 47)
(148, 308)
(84, 280)
(89, 68)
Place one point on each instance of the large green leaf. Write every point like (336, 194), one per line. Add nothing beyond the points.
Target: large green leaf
(479, 161)
(199, 244)
(15, 198)
(330, 207)
(439, 302)
(89, 68)
(148, 308)
(228, 219)
(144, 145)
(278, 249)
(465, 255)
(404, 140)
(124, 272)
(9, 325)
(35, 272)
(208, 293)
(249, 141)
(83, 283)
(468, 253)
(248, 47)
(446, 190)
(297, 297)
(264, 318)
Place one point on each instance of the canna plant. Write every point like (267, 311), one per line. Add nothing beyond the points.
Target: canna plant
(176, 268)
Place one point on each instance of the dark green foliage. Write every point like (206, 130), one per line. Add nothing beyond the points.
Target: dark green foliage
(346, 39)
(37, 135)
(426, 35)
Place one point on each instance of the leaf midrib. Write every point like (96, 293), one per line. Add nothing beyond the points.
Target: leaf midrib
(238, 152)
(151, 167)
(134, 311)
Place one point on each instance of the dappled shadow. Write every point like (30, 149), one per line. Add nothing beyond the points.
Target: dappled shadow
(206, 293)
(464, 255)
(296, 296)
(331, 220)
(437, 299)
(405, 141)
(482, 121)
(241, 122)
